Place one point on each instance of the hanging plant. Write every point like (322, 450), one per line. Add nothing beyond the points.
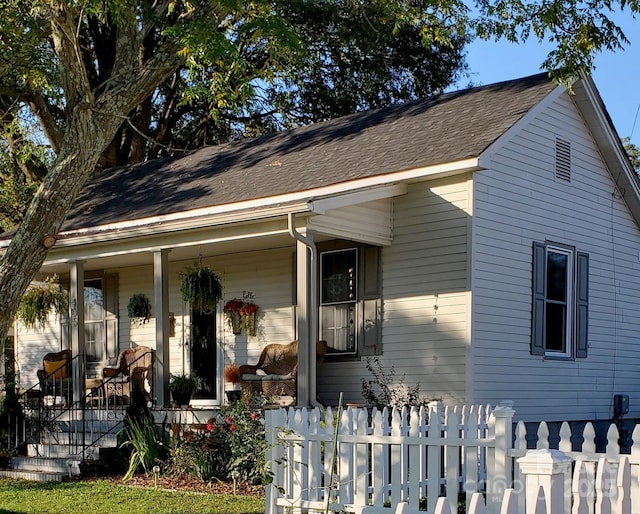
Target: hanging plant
(248, 314)
(39, 299)
(139, 308)
(201, 288)
(232, 314)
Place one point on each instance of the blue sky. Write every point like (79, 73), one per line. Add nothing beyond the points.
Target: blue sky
(617, 75)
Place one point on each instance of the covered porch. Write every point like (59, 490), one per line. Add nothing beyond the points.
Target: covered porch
(268, 254)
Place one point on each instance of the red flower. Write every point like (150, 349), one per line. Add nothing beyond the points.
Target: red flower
(254, 415)
(233, 305)
(209, 427)
(248, 308)
(228, 420)
(232, 428)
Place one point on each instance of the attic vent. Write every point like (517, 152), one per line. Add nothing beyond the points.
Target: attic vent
(563, 160)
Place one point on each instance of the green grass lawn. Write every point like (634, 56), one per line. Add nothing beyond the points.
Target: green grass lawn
(103, 496)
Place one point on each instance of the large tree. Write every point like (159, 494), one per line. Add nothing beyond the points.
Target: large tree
(577, 29)
(89, 84)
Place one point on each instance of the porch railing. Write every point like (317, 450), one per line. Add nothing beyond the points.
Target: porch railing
(54, 417)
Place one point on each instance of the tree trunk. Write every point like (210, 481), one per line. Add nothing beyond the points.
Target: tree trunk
(93, 118)
(26, 253)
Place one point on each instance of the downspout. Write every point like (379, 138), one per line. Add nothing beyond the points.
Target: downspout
(312, 302)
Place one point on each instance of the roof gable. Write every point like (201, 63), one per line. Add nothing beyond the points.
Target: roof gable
(441, 129)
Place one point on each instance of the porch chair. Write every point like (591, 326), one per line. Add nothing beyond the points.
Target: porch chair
(133, 372)
(55, 375)
(275, 373)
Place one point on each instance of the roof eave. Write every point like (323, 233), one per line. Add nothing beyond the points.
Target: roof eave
(310, 201)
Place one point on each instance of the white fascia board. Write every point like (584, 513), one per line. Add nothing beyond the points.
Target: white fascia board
(102, 249)
(322, 205)
(297, 202)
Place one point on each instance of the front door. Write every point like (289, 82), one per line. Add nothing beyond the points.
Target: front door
(204, 350)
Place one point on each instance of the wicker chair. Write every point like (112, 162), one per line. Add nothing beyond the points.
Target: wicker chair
(55, 375)
(133, 371)
(276, 371)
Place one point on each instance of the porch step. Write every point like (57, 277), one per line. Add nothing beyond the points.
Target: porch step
(62, 451)
(34, 476)
(78, 439)
(46, 465)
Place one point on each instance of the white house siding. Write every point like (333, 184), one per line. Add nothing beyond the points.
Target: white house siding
(516, 202)
(425, 297)
(369, 222)
(31, 344)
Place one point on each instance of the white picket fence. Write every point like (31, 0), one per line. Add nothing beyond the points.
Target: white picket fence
(375, 462)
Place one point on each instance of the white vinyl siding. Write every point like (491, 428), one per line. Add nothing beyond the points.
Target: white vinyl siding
(369, 222)
(424, 294)
(30, 346)
(518, 201)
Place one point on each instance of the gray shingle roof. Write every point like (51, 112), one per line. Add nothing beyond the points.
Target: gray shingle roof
(441, 129)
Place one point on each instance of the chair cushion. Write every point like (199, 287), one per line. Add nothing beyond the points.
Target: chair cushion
(250, 376)
(56, 369)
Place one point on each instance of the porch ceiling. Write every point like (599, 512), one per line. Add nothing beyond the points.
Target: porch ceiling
(184, 245)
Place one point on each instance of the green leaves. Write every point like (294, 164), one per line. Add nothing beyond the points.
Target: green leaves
(41, 298)
(578, 29)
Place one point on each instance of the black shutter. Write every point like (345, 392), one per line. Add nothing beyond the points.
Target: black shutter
(582, 305)
(538, 285)
(371, 326)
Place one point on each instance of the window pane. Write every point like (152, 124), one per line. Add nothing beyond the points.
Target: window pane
(338, 327)
(94, 340)
(556, 327)
(338, 276)
(94, 320)
(93, 300)
(557, 276)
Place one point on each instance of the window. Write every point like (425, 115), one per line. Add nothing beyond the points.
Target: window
(350, 300)
(100, 320)
(338, 293)
(560, 302)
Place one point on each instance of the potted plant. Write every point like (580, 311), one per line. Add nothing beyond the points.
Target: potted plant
(183, 387)
(39, 299)
(232, 376)
(248, 313)
(139, 308)
(201, 287)
(232, 314)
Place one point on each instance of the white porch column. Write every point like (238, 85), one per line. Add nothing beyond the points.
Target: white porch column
(76, 313)
(161, 308)
(304, 314)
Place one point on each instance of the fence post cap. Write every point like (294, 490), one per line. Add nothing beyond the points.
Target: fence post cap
(504, 409)
(544, 462)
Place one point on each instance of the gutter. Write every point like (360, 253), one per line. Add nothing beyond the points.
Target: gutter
(312, 307)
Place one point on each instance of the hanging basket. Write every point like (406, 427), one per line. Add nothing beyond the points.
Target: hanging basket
(249, 324)
(139, 308)
(201, 288)
(39, 299)
(232, 314)
(235, 322)
(248, 314)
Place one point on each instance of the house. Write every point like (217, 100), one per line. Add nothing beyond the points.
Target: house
(485, 243)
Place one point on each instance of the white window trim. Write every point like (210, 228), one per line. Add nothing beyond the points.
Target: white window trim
(571, 301)
(355, 303)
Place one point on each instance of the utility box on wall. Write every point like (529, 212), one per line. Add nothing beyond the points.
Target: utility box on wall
(620, 405)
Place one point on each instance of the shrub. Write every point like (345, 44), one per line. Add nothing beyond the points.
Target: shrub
(231, 446)
(149, 443)
(384, 390)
